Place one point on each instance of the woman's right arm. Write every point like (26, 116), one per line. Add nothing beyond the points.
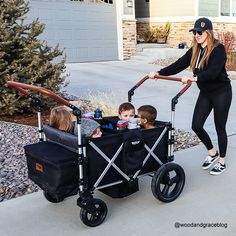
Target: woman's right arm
(181, 64)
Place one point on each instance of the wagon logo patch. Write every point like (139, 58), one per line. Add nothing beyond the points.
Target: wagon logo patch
(135, 142)
(39, 167)
(203, 24)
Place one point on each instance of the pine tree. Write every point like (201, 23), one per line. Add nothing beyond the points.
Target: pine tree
(24, 57)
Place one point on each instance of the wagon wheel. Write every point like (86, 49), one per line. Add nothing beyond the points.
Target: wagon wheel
(95, 213)
(51, 198)
(168, 182)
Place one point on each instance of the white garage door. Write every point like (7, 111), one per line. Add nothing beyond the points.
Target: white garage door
(87, 31)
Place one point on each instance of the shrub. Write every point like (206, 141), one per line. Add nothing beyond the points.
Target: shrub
(24, 58)
(156, 33)
(163, 31)
(149, 36)
(228, 40)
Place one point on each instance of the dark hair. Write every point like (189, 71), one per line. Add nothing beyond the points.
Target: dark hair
(148, 112)
(126, 106)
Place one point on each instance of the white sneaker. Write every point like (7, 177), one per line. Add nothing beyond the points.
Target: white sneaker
(218, 169)
(209, 161)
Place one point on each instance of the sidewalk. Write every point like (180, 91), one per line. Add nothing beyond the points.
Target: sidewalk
(205, 199)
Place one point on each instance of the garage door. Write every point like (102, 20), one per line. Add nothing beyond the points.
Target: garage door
(87, 31)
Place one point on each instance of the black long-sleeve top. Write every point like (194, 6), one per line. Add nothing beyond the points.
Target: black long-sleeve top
(212, 77)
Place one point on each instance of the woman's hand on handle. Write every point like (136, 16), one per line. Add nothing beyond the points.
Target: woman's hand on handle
(153, 74)
(186, 79)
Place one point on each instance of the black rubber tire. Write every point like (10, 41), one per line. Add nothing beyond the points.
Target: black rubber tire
(168, 182)
(52, 199)
(96, 219)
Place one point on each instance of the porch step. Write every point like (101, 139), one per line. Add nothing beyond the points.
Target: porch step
(151, 52)
(142, 46)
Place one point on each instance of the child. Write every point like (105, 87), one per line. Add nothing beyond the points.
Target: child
(61, 118)
(147, 114)
(126, 111)
(89, 128)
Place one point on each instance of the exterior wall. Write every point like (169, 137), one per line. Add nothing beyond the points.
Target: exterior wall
(171, 8)
(179, 31)
(128, 11)
(129, 38)
(129, 29)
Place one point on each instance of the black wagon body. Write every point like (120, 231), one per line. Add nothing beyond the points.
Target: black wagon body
(63, 164)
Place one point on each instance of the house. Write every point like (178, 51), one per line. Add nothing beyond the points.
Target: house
(88, 30)
(101, 30)
(182, 14)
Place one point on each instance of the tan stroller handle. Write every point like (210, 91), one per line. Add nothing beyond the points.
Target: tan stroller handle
(20, 87)
(131, 91)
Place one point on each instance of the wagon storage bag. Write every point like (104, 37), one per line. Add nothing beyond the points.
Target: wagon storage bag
(53, 168)
(133, 151)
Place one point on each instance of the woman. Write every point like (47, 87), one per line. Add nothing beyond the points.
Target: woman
(207, 59)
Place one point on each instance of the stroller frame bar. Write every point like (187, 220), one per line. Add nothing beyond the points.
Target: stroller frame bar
(151, 153)
(110, 163)
(109, 185)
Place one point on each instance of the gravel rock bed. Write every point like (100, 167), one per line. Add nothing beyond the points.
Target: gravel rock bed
(14, 180)
(165, 62)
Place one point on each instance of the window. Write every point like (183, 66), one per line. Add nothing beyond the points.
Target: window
(233, 7)
(225, 8)
(217, 8)
(208, 7)
(96, 1)
(100, 1)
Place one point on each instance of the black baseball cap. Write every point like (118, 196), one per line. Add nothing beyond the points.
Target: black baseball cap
(202, 24)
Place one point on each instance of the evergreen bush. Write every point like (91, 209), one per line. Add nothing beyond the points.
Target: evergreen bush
(24, 57)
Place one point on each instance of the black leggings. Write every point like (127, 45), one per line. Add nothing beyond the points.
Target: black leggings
(220, 103)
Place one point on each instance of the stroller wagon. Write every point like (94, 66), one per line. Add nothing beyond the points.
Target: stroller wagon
(63, 164)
